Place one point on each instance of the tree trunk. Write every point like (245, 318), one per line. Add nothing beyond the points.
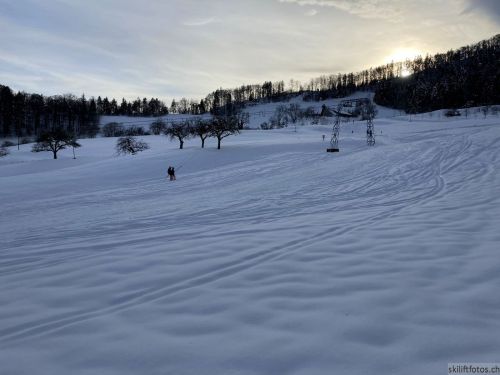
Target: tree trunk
(182, 144)
(55, 154)
(218, 143)
(203, 143)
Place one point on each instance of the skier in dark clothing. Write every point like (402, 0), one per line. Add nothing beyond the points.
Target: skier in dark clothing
(171, 173)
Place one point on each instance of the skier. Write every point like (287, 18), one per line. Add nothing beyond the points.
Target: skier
(323, 137)
(171, 173)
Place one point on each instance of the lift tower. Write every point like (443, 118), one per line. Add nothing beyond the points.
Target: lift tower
(363, 105)
(370, 131)
(334, 140)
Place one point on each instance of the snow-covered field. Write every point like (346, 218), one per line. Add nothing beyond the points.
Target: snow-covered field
(269, 256)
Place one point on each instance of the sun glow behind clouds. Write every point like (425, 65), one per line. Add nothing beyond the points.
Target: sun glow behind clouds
(405, 73)
(402, 54)
(255, 41)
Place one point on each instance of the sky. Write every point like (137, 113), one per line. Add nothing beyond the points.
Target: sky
(187, 48)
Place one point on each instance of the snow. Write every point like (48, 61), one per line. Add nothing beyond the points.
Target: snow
(258, 112)
(269, 256)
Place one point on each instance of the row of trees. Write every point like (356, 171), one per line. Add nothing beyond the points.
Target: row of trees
(286, 114)
(467, 77)
(138, 107)
(216, 102)
(218, 127)
(24, 114)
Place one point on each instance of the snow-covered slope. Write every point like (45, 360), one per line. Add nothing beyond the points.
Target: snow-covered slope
(269, 256)
(258, 112)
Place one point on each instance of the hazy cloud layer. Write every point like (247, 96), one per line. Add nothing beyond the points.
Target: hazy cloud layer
(311, 12)
(188, 48)
(489, 8)
(199, 22)
(386, 9)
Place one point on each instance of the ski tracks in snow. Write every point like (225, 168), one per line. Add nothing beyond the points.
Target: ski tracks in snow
(301, 201)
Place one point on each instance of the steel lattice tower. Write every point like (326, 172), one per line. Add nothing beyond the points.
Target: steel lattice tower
(368, 113)
(334, 140)
(370, 132)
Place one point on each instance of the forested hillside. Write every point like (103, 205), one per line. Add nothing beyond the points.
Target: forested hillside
(469, 76)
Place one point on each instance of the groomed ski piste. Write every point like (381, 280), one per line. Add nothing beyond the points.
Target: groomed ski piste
(269, 256)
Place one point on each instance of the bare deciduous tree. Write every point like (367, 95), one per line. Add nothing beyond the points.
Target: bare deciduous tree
(54, 141)
(294, 113)
(201, 129)
(4, 151)
(112, 129)
(181, 131)
(485, 109)
(130, 145)
(158, 127)
(243, 118)
(224, 126)
(280, 117)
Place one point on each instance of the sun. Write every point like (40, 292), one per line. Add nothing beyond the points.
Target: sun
(405, 73)
(402, 54)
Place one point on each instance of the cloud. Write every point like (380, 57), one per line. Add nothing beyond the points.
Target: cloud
(490, 8)
(199, 22)
(383, 9)
(177, 48)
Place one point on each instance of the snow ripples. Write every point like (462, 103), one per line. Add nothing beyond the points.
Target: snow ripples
(289, 262)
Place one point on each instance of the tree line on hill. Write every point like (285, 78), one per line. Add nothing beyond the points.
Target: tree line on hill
(23, 114)
(469, 76)
(465, 77)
